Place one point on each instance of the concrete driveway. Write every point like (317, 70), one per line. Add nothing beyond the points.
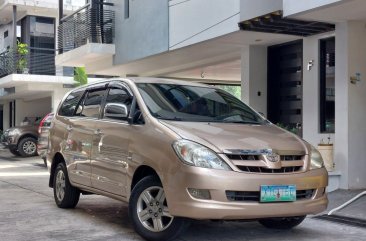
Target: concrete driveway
(28, 212)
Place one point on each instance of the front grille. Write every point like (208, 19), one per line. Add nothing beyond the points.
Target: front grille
(268, 170)
(244, 196)
(258, 157)
(248, 163)
(243, 157)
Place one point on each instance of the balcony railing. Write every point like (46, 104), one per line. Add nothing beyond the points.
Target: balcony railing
(38, 61)
(87, 25)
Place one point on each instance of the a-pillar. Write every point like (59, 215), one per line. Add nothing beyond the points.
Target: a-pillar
(254, 77)
(350, 104)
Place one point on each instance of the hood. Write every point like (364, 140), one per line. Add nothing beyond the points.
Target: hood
(227, 136)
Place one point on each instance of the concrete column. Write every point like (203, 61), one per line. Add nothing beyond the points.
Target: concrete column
(350, 101)
(57, 96)
(6, 115)
(254, 77)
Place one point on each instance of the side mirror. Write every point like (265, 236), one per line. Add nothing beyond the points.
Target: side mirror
(116, 111)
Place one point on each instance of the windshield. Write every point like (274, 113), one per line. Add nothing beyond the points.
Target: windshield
(196, 104)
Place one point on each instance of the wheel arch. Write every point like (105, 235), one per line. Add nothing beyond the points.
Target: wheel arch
(140, 173)
(25, 136)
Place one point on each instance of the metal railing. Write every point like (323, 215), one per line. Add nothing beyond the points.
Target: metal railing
(87, 25)
(38, 61)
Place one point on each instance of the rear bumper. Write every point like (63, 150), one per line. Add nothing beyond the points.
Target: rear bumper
(182, 204)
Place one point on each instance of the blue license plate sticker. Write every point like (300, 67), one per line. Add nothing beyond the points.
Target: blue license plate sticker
(278, 193)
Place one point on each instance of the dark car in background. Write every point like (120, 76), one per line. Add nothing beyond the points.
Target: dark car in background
(43, 132)
(21, 140)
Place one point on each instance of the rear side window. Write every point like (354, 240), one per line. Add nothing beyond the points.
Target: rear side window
(69, 105)
(92, 103)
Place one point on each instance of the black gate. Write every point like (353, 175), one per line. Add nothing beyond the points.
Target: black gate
(285, 85)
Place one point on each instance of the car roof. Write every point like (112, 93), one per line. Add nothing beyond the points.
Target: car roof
(145, 80)
(150, 80)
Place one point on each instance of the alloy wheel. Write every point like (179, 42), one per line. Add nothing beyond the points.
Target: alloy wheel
(29, 147)
(60, 185)
(152, 209)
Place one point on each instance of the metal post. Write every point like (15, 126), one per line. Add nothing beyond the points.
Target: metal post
(60, 10)
(14, 57)
(60, 16)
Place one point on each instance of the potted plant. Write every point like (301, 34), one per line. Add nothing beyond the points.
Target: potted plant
(80, 76)
(22, 52)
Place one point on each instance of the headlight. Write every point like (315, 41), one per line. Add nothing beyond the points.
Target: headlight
(197, 155)
(316, 159)
(13, 132)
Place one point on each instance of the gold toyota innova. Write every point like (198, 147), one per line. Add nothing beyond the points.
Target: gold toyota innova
(177, 151)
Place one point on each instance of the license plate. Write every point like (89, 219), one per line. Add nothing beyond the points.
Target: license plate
(278, 193)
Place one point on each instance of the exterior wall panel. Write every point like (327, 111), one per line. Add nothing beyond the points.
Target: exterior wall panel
(194, 21)
(291, 7)
(144, 32)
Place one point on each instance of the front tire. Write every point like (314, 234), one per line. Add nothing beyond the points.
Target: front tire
(282, 223)
(149, 212)
(27, 147)
(14, 152)
(66, 196)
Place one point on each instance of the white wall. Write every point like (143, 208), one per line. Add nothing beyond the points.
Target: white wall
(71, 5)
(198, 20)
(7, 41)
(254, 77)
(311, 80)
(250, 9)
(33, 108)
(291, 7)
(357, 105)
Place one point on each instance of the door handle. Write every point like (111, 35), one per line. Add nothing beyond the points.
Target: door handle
(69, 128)
(98, 132)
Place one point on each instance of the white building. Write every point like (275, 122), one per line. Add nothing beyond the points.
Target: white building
(30, 86)
(301, 62)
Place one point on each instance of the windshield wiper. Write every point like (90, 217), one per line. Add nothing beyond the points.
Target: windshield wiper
(168, 118)
(243, 122)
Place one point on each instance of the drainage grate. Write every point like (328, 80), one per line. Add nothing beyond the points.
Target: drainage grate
(355, 222)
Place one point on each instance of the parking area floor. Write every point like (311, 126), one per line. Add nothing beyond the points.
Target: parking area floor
(28, 212)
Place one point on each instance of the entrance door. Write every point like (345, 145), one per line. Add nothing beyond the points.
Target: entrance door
(285, 85)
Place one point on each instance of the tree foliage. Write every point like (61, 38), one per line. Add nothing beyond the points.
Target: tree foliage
(80, 76)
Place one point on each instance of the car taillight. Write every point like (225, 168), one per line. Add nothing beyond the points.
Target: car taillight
(42, 122)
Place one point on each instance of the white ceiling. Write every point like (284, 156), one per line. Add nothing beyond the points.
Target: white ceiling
(343, 11)
(226, 71)
(190, 60)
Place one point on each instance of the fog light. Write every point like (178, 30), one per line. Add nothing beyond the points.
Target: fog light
(199, 193)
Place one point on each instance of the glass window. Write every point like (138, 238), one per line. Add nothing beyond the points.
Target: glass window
(69, 105)
(92, 104)
(195, 103)
(235, 90)
(327, 85)
(119, 96)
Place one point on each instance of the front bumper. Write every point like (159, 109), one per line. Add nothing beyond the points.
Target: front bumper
(182, 204)
(9, 142)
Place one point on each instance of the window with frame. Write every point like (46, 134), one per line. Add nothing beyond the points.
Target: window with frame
(92, 103)
(69, 105)
(327, 85)
(119, 96)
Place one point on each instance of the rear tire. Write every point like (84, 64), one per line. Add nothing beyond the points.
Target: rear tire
(14, 152)
(27, 147)
(149, 212)
(66, 196)
(282, 223)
